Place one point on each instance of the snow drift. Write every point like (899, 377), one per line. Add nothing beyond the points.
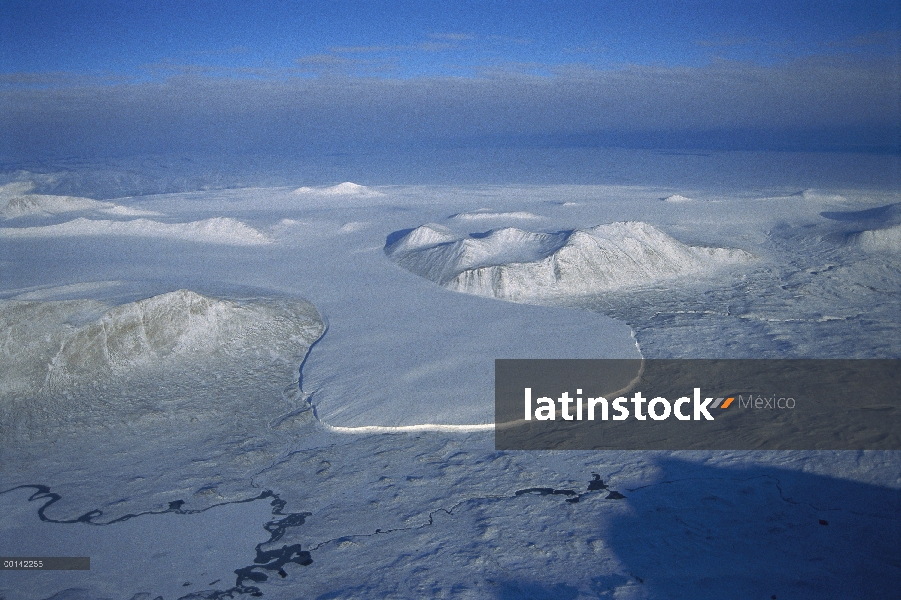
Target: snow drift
(218, 230)
(517, 265)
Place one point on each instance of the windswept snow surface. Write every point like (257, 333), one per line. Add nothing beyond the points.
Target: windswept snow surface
(64, 292)
(218, 230)
(518, 265)
(169, 423)
(449, 352)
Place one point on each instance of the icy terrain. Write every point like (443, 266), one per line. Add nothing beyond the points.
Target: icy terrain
(308, 415)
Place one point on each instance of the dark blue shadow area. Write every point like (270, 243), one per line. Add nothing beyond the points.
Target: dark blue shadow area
(758, 532)
(535, 591)
(395, 236)
(889, 214)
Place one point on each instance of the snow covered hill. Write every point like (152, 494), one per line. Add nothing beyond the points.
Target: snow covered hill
(518, 265)
(218, 230)
(348, 188)
(879, 240)
(677, 199)
(62, 359)
(16, 202)
(875, 229)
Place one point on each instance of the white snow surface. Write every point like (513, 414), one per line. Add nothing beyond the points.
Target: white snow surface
(39, 205)
(15, 188)
(450, 353)
(879, 240)
(217, 230)
(90, 357)
(126, 394)
(348, 188)
(677, 198)
(518, 265)
(64, 292)
(16, 202)
(489, 215)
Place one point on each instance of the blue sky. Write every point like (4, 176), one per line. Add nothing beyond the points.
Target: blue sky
(82, 78)
(428, 38)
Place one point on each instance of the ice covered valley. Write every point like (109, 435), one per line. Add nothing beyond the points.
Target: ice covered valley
(288, 392)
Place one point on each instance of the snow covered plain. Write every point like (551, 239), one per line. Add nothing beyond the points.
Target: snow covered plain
(278, 391)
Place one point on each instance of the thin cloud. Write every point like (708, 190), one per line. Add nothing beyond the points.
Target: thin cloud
(166, 69)
(233, 51)
(850, 102)
(436, 46)
(590, 49)
(330, 64)
(436, 42)
(510, 40)
(328, 60)
(726, 42)
(364, 49)
(890, 39)
(452, 37)
(59, 79)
